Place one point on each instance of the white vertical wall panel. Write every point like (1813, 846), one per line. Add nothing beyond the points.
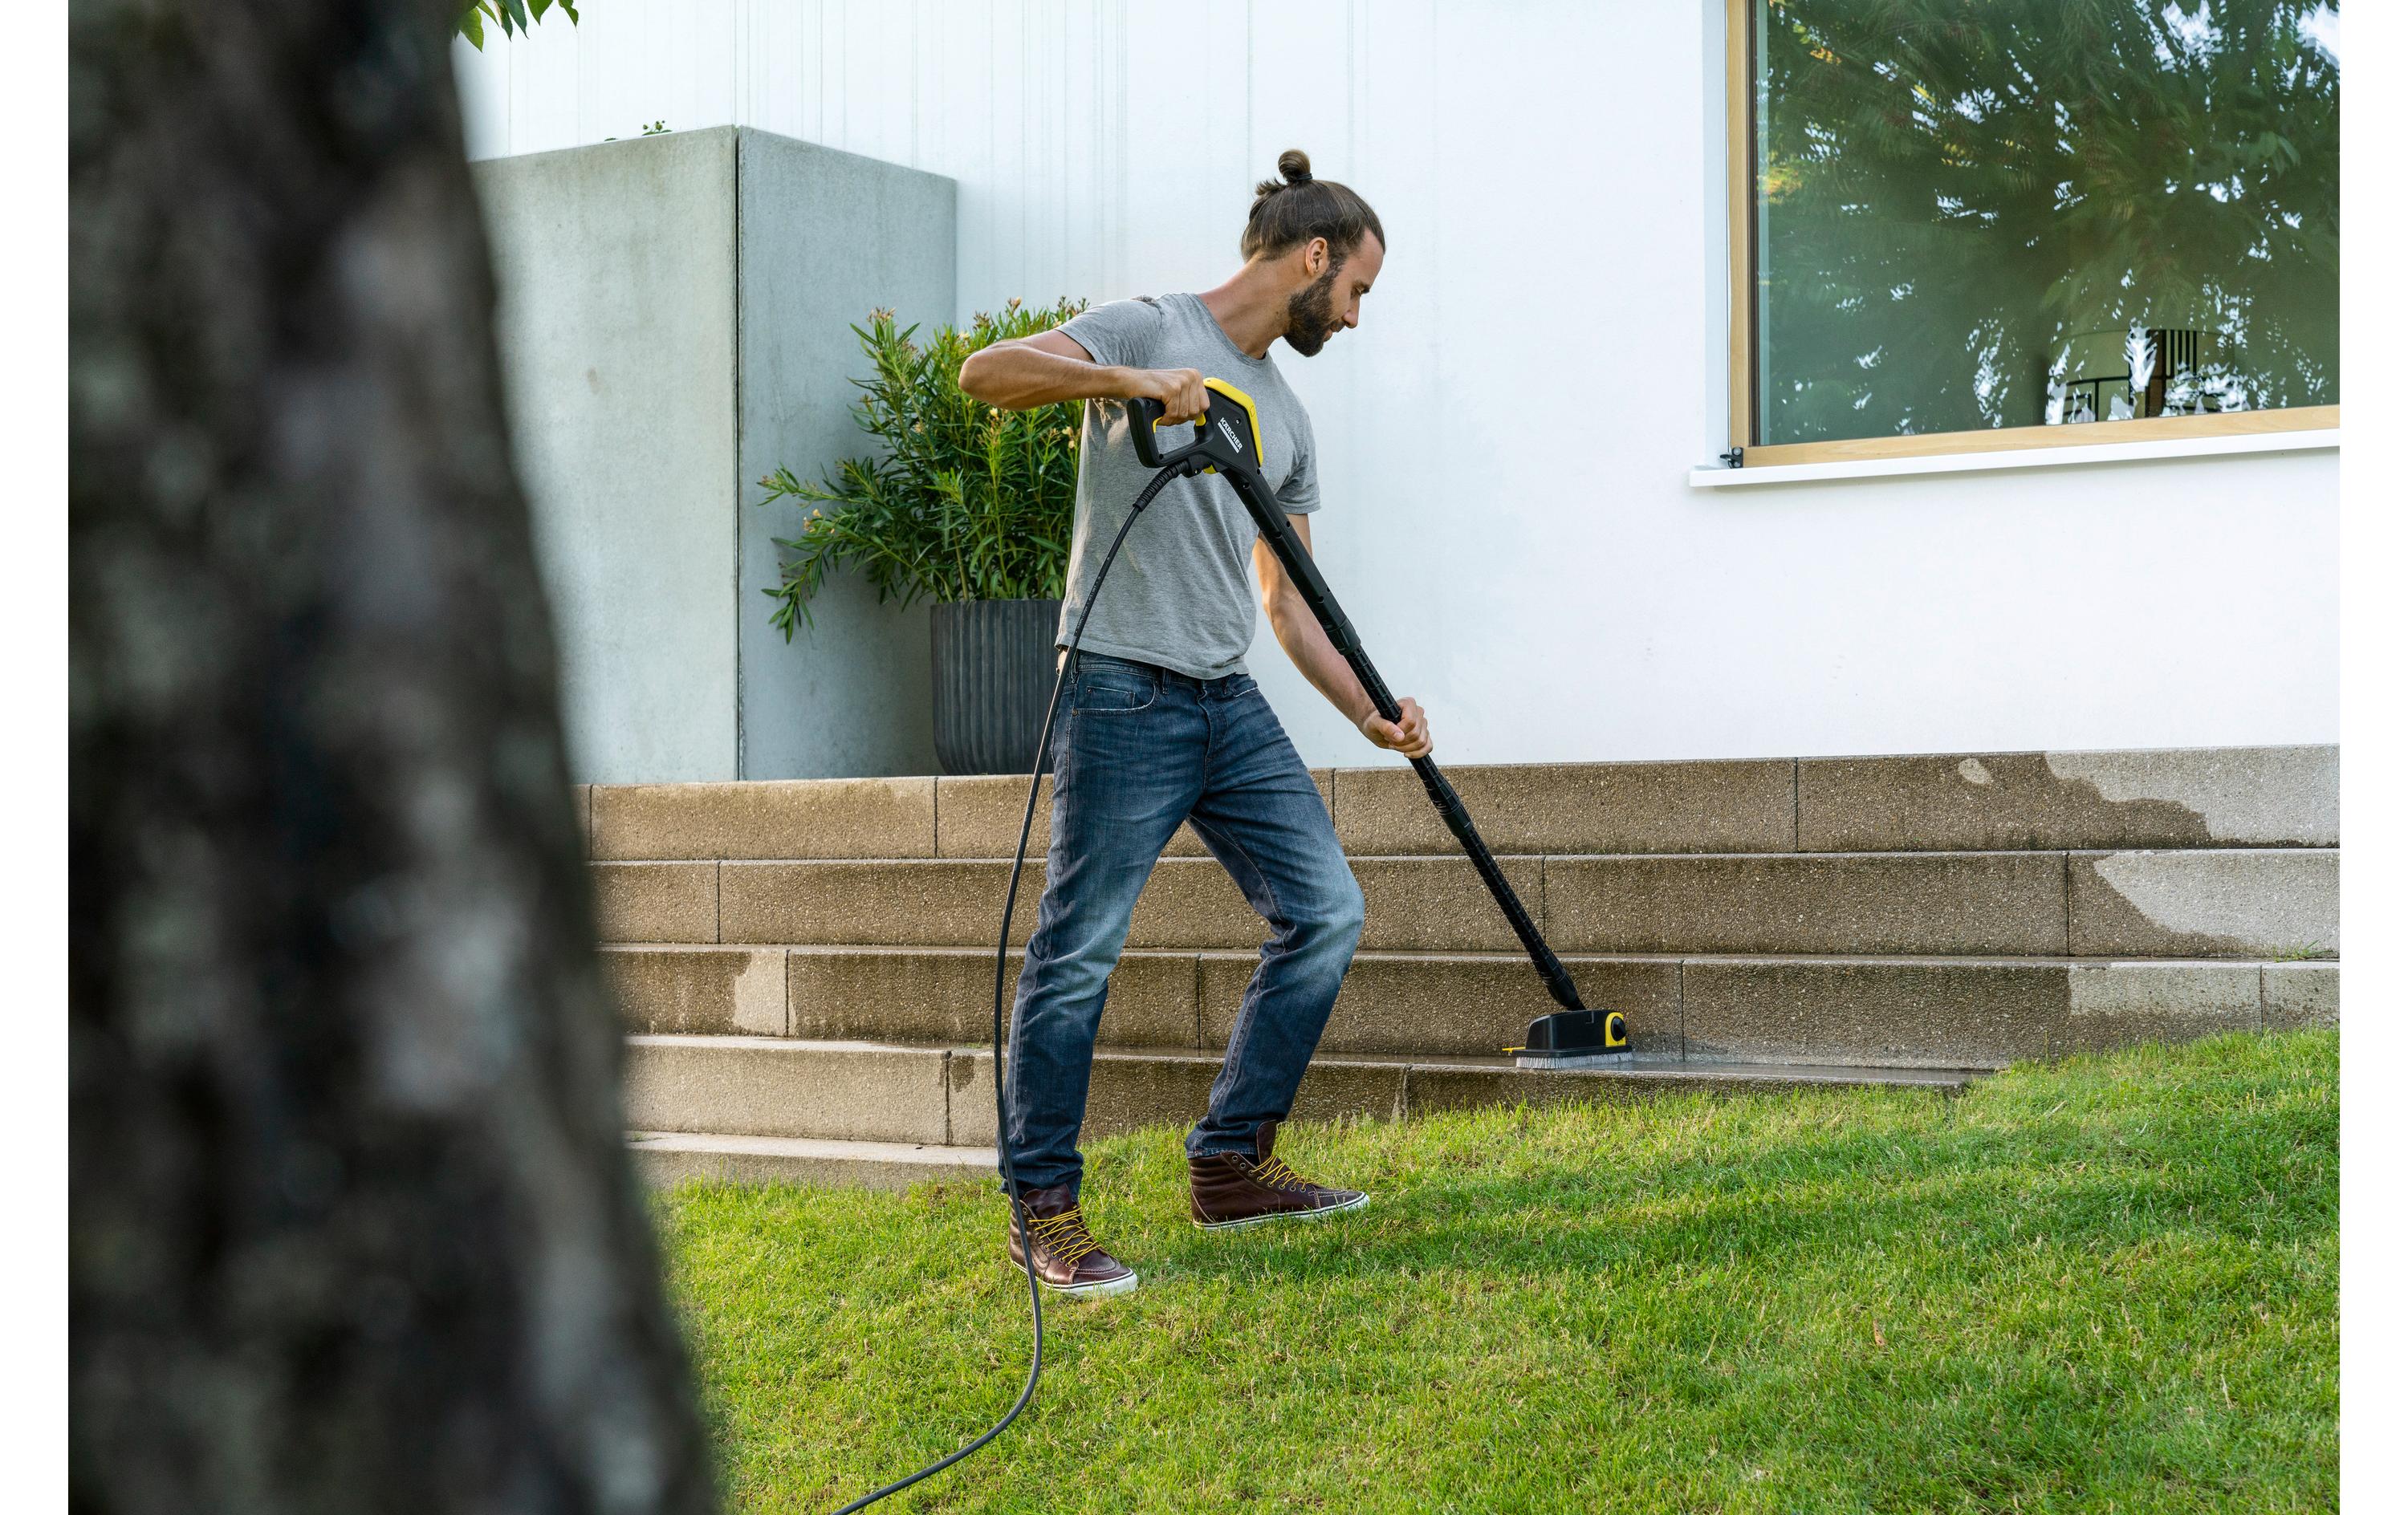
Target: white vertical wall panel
(484, 80)
(1025, 102)
(1504, 441)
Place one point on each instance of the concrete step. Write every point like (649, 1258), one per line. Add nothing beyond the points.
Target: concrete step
(2254, 902)
(920, 1096)
(2265, 902)
(1426, 903)
(2179, 797)
(1907, 1012)
(2210, 797)
(829, 819)
(673, 1157)
(773, 1086)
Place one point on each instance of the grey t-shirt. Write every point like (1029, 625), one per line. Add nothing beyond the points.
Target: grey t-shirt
(1181, 594)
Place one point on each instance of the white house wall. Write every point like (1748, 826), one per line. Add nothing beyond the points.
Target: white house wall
(1505, 440)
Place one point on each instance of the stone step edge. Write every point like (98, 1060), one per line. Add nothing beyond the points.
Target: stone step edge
(1647, 1069)
(1456, 855)
(2265, 902)
(2173, 797)
(1870, 1010)
(668, 1158)
(1473, 955)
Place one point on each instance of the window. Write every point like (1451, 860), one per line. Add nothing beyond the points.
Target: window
(1966, 225)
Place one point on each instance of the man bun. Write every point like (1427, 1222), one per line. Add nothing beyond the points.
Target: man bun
(1296, 208)
(1295, 168)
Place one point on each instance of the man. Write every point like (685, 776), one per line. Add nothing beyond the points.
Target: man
(1160, 724)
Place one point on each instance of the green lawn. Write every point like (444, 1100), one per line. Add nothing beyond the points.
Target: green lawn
(2105, 1285)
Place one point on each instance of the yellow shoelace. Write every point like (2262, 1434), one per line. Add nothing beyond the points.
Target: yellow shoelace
(1063, 1236)
(1278, 1175)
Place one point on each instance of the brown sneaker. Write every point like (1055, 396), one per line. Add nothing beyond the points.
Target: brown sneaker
(1069, 1261)
(1229, 1190)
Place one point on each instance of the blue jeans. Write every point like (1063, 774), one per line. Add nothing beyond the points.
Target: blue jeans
(1137, 750)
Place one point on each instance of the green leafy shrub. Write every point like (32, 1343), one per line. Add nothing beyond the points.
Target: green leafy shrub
(964, 502)
(510, 15)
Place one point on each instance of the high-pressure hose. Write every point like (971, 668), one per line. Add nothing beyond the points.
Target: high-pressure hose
(1002, 953)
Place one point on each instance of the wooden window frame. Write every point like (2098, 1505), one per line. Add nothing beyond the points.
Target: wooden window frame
(1738, 100)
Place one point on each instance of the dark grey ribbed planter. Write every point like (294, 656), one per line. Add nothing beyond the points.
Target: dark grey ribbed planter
(993, 673)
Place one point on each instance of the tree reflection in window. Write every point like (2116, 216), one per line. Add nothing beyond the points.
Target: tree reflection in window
(1984, 213)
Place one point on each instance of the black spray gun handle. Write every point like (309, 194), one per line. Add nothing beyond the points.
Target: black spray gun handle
(1144, 416)
(1226, 441)
(1226, 435)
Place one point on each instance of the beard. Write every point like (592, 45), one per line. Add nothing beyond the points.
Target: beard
(1309, 313)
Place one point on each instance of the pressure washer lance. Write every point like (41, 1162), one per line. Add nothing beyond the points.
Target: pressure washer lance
(1228, 436)
(1227, 441)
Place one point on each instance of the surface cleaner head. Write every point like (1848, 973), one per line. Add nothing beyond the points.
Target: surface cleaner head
(1576, 1039)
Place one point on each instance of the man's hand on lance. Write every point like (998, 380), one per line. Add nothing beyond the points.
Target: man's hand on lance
(1408, 734)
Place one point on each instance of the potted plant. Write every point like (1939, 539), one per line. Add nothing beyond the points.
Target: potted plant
(966, 506)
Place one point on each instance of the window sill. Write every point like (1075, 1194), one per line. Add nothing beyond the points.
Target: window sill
(2039, 457)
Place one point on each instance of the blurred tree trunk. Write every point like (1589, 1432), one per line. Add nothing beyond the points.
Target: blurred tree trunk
(352, 1226)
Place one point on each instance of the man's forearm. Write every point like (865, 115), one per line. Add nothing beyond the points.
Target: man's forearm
(1017, 377)
(1308, 646)
(1317, 658)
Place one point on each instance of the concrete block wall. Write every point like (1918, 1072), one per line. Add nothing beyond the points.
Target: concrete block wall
(674, 321)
